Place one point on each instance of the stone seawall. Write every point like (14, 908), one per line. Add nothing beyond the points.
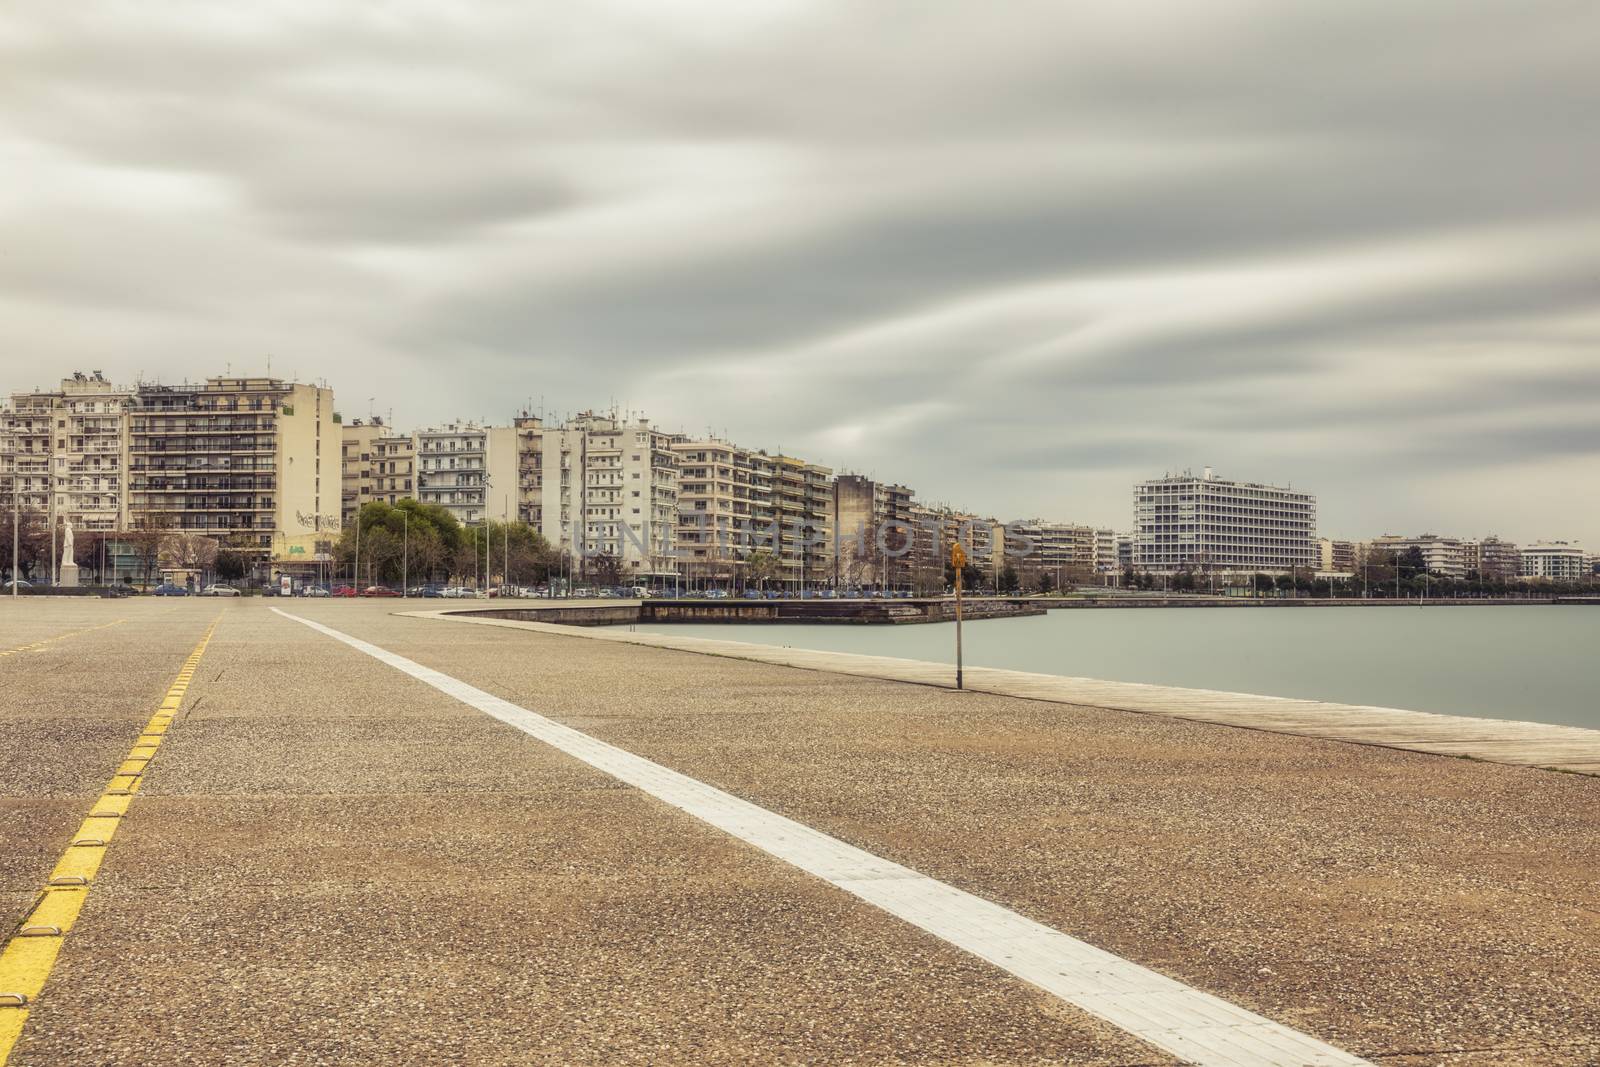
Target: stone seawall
(821, 612)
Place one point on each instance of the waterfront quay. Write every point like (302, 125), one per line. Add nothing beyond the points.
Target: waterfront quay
(297, 831)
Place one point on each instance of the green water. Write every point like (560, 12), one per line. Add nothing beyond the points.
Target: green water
(1535, 663)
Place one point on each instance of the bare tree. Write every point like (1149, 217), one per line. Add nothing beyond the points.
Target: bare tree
(191, 552)
(147, 540)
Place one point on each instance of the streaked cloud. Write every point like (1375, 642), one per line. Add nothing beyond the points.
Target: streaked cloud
(1016, 257)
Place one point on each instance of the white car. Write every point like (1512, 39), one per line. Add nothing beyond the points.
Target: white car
(219, 590)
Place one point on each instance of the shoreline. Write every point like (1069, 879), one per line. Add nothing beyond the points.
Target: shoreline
(1546, 746)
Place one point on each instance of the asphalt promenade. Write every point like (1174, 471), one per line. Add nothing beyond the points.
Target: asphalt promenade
(327, 860)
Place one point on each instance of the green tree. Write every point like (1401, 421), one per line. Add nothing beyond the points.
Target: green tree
(971, 575)
(760, 567)
(1008, 579)
(605, 569)
(380, 556)
(231, 564)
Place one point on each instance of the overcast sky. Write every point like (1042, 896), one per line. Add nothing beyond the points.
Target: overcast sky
(1015, 255)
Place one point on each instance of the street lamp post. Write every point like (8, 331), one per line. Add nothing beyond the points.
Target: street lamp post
(405, 554)
(16, 524)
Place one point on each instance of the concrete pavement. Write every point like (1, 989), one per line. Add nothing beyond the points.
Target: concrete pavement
(331, 862)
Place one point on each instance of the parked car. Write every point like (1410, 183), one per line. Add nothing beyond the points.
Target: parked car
(117, 591)
(168, 589)
(716, 594)
(343, 590)
(378, 590)
(20, 583)
(219, 590)
(315, 590)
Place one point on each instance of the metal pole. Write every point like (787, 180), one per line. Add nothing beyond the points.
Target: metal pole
(405, 554)
(355, 565)
(16, 520)
(958, 626)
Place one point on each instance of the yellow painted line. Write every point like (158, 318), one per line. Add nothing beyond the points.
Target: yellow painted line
(30, 951)
(37, 645)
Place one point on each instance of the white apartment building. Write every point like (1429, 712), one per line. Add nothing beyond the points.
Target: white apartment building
(65, 452)
(1558, 561)
(468, 469)
(1105, 552)
(376, 464)
(734, 501)
(1197, 523)
(1444, 556)
(1061, 549)
(252, 462)
(716, 518)
(600, 485)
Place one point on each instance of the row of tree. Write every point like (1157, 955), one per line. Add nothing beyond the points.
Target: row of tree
(422, 543)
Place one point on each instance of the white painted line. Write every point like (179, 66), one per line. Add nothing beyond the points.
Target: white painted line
(1197, 1027)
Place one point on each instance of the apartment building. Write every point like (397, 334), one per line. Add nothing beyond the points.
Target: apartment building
(733, 501)
(1048, 544)
(1557, 561)
(1444, 556)
(470, 470)
(252, 462)
(716, 513)
(803, 502)
(600, 485)
(376, 464)
(64, 451)
(874, 534)
(1062, 550)
(1188, 522)
(1105, 552)
(1490, 557)
(1336, 557)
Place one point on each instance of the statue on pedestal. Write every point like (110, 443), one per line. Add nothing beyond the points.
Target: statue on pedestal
(69, 566)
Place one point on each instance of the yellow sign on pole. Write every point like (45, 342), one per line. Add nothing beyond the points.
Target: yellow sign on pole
(958, 555)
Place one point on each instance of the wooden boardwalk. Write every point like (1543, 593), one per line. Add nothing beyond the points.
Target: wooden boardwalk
(1530, 744)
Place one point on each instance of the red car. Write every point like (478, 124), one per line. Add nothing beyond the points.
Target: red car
(343, 590)
(378, 590)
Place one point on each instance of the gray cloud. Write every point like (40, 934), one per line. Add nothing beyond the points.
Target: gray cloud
(1014, 261)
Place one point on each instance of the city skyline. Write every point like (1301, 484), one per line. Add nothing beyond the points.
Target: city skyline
(1021, 272)
(927, 496)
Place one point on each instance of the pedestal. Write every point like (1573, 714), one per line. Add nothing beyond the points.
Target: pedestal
(69, 576)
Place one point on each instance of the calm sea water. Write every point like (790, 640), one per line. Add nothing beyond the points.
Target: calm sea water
(1536, 663)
